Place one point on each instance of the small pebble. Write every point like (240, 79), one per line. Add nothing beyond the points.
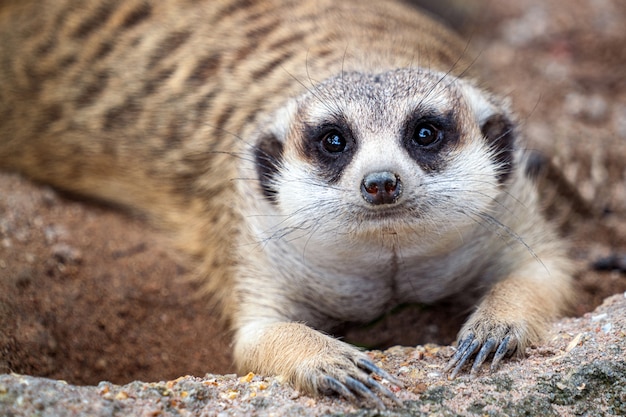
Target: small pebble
(66, 254)
(599, 317)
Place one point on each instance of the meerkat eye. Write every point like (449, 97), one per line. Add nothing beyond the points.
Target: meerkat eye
(333, 142)
(426, 134)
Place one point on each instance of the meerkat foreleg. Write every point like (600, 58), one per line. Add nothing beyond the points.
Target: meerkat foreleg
(513, 315)
(311, 361)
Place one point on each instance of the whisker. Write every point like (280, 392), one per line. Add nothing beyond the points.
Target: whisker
(508, 232)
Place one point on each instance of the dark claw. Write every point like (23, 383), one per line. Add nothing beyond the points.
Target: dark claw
(463, 344)
(503, 349)
(371, 382)
(468, 347)
(363, 391)
(364, 385)
(373, 369)
(471, 349)
(337, 387)
(482, 355)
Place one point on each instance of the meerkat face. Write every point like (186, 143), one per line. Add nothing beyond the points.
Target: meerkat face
(407, 149)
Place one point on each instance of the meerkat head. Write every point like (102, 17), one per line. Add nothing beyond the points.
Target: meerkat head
(407, 148)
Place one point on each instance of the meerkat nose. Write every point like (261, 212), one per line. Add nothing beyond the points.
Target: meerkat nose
(381, 188)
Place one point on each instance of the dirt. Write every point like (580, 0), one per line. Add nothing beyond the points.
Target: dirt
(90, 294)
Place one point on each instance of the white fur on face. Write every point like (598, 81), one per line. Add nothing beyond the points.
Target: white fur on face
(434, 203)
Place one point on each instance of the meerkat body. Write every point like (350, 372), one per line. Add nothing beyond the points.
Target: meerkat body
(322, 160)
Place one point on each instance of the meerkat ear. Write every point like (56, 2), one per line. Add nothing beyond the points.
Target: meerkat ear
(499, 132)
(498, 129)
(268, 153)
(269, 148)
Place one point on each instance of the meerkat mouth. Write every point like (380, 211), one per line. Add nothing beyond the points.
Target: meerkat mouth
(391, 216)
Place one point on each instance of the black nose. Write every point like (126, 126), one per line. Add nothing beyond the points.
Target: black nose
(381, 188)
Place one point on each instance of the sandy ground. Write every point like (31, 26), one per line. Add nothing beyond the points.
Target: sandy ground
(89, 294)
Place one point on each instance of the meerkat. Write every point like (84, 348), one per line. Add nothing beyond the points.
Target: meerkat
(322, 162)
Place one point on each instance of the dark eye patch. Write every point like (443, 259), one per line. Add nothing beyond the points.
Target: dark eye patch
(427, 137)
(329, 146)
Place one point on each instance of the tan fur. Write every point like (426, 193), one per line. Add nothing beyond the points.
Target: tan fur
(160, 106)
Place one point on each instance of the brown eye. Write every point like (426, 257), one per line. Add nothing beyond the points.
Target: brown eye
(426, 134)
(333, 142)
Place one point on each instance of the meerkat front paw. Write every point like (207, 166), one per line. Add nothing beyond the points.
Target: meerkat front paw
(349, 373)
(482, 340)
(513, 315)
(312, 362)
